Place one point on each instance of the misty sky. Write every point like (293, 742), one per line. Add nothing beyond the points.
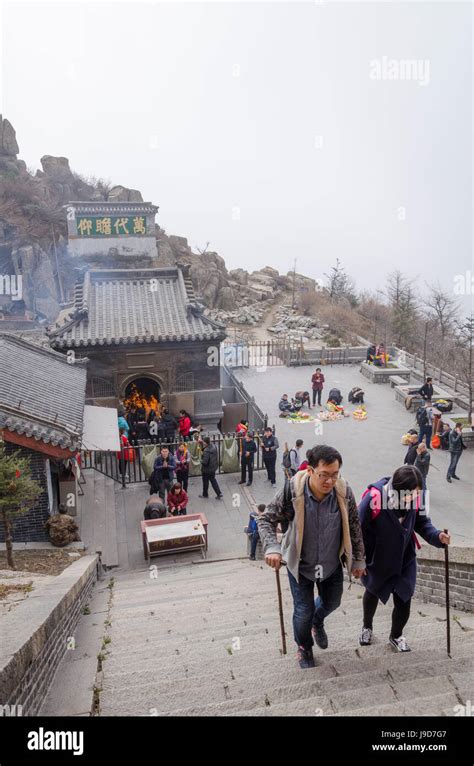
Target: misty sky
(265, 111)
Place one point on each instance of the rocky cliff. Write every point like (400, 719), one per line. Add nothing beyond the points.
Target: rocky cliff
(33, 245)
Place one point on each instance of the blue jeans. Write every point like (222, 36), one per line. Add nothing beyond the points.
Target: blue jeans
(254, 538)
(453, 463)
(308, 611)
(426, 431)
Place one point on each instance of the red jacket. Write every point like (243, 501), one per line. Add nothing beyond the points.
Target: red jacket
(317, 380)
(127, 451)
(184, 426)
(174, 500)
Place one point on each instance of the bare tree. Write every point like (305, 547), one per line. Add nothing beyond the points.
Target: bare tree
(404, 308)
(340, 285)
(463, 347)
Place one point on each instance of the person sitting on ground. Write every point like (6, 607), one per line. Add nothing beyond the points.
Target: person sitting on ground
(177, 500)
(411, 454)
(154, 508)
(285, 406)
(426, 391)
(303, 397)
(62, 528)
(370, 356)
(252, 530)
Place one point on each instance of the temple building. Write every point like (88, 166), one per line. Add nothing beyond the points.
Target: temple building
(144, 332)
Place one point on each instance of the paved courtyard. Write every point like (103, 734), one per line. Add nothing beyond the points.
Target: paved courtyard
(370, 449)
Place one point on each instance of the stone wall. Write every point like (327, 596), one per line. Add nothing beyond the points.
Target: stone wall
(35, 635)
(29, 527)
(431, 585)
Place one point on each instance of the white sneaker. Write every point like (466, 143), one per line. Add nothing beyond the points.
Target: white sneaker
(274, 486)
(400, 644)
(366, 637)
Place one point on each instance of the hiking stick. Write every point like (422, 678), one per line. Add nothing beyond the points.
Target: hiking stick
(446, 578)
(280, 608)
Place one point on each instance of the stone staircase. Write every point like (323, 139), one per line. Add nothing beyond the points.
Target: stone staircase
(204, 639)
(97, 516)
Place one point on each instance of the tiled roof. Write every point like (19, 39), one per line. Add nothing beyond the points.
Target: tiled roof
(41, 395)
(123, 306)
(90, 208)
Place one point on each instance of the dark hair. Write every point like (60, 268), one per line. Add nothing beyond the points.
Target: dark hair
(141, 413)
(299, 442)
(460, 425)
(318, 369)
(207, 439)
(183, 412)
(322, 453)
(120, 412)
(122, 430)
(268, 428)
(165, 446)
(407, 478)
(261, 507)
(176, 485)
(427, 379)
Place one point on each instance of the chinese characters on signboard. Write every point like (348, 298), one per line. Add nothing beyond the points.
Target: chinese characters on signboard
(111, 226)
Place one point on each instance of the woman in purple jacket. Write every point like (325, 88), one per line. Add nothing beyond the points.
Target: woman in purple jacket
(390, 514)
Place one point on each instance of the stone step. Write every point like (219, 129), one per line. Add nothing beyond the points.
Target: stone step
(436, 705)
(294, 684)
(340, 629)
(312, 696)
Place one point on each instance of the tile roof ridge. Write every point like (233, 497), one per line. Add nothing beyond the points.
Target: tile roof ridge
(20, 341)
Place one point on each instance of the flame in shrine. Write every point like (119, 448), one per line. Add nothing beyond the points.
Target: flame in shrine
(137, 399)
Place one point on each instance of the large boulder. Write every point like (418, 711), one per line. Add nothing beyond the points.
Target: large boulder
(239, 275)
(8, 143)
(57, 168)
(122, 194)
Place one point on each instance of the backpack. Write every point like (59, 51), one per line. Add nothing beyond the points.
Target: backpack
(287, 458)
(422, 417)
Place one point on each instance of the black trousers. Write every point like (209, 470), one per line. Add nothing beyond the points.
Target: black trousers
(400, 614)
(246, 465)
(317, 394)
(269, 462)
(183, 477)
(210, 478)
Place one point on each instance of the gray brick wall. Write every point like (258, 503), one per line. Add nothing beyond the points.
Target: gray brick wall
(30, 689)
(29, 527)
(430, 583)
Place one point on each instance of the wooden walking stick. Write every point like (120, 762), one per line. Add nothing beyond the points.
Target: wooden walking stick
(280, 608)
(446, 579)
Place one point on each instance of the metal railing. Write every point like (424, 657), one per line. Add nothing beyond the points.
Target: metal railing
(257, 419)
(125, 469)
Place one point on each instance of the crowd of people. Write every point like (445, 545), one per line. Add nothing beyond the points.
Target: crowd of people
(156, 427)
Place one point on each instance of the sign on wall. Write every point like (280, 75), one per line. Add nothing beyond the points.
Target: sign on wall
(111, 226)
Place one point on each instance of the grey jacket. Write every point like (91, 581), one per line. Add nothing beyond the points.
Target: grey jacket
(351, 552)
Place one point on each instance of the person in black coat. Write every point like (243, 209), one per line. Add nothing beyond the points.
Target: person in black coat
(270, 445)
(426, 391)
(410, 456)
(209, 466)
(170, 426)
(249, 449)
(389, 515)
